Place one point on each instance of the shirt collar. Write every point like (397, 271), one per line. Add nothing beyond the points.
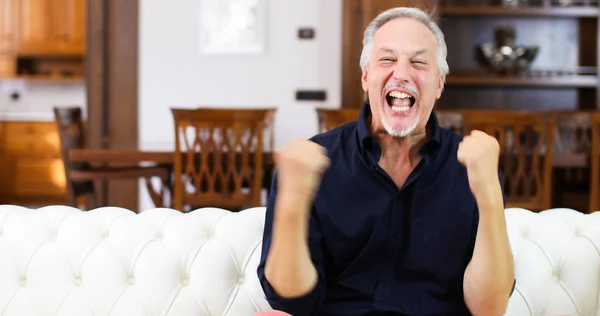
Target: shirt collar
(366, 139)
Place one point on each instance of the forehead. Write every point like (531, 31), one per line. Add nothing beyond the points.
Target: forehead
(405, 34)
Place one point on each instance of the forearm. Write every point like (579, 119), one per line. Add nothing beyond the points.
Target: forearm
(289, 268)
(490, 274)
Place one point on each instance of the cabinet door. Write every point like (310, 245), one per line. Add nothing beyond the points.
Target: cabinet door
(38, 178)
(8, 25)
(70, 21)
(36, 30)
(31, 168)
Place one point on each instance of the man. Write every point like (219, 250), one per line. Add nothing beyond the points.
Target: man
(391, 214)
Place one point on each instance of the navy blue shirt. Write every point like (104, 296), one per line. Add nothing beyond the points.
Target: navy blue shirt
(380, 250)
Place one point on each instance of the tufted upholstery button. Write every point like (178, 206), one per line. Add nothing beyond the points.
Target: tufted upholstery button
(77, 281)
(240, 279)
(130, 280)
(23, 281)
(185, 281)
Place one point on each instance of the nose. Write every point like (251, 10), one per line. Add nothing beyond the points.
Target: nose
(401, 71)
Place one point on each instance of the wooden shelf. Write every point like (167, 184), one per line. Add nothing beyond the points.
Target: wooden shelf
(46, 78)
(558, 81)
(574, 11)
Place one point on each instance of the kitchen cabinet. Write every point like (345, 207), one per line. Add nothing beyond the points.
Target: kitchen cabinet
(44, 39)
(51, 27)
(30, 163)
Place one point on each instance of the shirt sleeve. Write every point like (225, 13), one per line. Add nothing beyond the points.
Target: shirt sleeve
(311, 302)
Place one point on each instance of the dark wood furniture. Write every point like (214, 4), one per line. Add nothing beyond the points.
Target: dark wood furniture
(331, 118)
(526, 150)
(111, 64)
(594, 201)
(563, 76)
(160, 157)
(80, 176)
(212, 165)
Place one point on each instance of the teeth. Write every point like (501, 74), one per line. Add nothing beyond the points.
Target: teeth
(400, 95)
(400, 108)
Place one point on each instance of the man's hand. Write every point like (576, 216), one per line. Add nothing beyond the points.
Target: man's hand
(300, 167)
(479, 153)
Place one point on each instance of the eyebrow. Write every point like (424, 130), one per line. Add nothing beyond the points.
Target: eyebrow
(413, 55)
(419, 52)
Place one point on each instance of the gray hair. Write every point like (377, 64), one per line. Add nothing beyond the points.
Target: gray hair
(412, 13)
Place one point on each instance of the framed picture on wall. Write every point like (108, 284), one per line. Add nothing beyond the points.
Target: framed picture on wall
(233, 26)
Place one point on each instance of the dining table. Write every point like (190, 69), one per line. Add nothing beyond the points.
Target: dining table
(163, 157)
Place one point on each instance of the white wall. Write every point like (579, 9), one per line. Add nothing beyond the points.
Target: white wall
(173, 72)
(37, 98)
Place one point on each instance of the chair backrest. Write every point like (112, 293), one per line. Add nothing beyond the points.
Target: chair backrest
(219, 157)
(332, 118)
(71, 132)
(595, 164)
(526, 142)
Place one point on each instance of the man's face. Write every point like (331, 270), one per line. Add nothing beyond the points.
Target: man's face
(402, 77)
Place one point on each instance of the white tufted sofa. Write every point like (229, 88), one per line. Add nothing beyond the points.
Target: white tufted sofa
(58, 260)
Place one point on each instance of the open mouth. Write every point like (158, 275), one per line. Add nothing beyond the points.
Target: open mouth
(400, 101)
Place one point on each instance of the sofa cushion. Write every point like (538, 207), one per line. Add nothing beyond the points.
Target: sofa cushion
(60, 261)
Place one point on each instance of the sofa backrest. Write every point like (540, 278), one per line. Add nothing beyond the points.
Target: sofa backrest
(58, 260)
(557, 262)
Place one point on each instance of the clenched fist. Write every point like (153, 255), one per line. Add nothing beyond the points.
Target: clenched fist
(479, 153)
(300, 167)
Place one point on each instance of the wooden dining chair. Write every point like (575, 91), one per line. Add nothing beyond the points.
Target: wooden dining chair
(219, 157)
(595, 164)
(80, 176)
(331, 118)
(571, 163)
(526, 140)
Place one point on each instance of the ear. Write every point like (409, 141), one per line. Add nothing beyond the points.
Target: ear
(440, 87)
(365, 83)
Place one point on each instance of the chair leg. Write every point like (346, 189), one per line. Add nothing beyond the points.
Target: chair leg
(91, 201)
(71, 198)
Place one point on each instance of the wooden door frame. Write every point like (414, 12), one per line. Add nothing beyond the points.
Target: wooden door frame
(112, 88)
(352, 34)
